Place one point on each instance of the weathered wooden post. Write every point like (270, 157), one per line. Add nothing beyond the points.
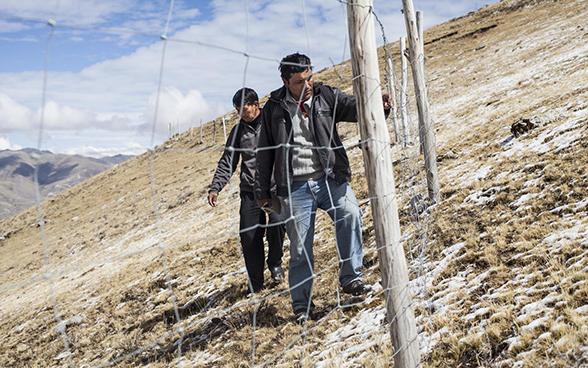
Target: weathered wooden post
(214, 132)
(380, 176)
(403, 92)
(419, 23)
(392, 94)
(418, 76)
(201, 131)
(420, 29)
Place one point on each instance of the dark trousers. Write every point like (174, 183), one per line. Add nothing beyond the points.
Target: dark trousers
(252, 228)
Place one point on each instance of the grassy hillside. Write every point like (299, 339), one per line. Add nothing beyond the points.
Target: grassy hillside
(498, 270)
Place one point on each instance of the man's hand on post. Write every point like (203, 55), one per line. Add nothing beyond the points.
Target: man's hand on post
(387, 102)
(212, 196)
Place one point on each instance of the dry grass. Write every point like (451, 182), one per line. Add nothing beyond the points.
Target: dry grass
(512, 294)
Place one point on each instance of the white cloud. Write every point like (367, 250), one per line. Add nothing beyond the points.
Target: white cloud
(57, 117)
(9, 27)
(69, 11)
(129, 148)
(21, 39)
(176, 107)
(14, 116)
(6, 145)
(119, 93)
(135, 15)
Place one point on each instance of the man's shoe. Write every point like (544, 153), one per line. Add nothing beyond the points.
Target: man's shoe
(301, 316)
(277, 274)
(356, 288)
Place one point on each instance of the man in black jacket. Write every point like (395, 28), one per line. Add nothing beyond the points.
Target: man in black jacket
(311, 170)
(242, 142)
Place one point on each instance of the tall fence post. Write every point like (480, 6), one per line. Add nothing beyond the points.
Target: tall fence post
(403, 92)
(418, 75)
(420, 29)
(201, 131)
(214, 132)
(419, 23)
(380, 177)
(224, 129)
(391, 92)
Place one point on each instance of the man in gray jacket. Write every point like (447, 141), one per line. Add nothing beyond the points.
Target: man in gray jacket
(311, 170)
(242, 143)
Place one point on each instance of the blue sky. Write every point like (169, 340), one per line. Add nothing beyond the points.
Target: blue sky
(105, 59)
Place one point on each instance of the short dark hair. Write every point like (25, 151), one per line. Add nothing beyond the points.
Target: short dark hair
(245, 96)
(294, 63)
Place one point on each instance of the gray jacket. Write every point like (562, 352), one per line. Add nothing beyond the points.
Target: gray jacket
(243, 138)
(328, 107)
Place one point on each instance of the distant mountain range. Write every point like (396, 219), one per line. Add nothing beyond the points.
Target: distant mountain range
(56, 173)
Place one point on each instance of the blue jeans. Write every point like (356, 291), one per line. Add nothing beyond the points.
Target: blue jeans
(340, 203)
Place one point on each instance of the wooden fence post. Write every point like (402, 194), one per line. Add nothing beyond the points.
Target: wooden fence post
(403, 92)
(418, 76)
(224, 129)
(201, 131)
(420, 29)
(419, 23)
(380, 177)
(392, 94)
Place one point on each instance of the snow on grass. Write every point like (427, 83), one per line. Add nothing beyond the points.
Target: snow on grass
(522, 200)
(553, 138)
(361, 329)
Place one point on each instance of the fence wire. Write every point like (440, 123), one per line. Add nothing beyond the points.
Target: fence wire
(417, 218)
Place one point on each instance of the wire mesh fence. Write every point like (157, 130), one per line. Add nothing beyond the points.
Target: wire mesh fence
(193, 323)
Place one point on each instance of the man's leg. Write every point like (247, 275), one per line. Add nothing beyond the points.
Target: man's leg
(340, 203)
(252, 238)
(300, 210)
(275, 234)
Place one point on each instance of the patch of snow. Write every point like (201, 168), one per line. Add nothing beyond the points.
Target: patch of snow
(477, 313)
(523, 199)
(583, 310)
(535, 324)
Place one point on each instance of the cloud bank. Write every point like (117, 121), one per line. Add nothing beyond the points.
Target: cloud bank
(213, 49)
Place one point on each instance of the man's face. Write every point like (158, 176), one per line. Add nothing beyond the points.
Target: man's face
(249, 112)
(300, 85)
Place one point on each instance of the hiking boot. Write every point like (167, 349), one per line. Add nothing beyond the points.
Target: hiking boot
(302, 316)
(356, 288)
(277, 274)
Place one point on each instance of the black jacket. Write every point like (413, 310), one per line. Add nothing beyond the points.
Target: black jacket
(328, 107)
(243, 138)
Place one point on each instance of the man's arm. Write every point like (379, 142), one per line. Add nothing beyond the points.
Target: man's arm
(346, 106)
(226, 166)
(264, 158)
